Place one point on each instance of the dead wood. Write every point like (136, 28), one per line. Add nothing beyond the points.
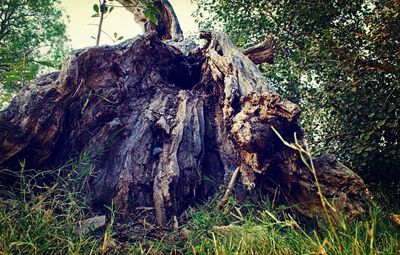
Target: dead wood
(166, 129)
(262, 53)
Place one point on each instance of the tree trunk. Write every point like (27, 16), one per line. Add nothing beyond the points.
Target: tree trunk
(165, 129)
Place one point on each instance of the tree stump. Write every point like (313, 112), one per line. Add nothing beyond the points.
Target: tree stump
(166, 129)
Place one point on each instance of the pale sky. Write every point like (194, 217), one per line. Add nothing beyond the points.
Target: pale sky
(82, 26)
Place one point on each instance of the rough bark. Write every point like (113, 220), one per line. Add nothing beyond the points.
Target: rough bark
(168, 27)
(262, 53)
(165, 129)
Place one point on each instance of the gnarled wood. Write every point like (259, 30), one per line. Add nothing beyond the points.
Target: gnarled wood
(261, 53)
(168, 27)
(165, 129)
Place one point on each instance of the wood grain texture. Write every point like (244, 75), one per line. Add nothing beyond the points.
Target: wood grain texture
(166, 130)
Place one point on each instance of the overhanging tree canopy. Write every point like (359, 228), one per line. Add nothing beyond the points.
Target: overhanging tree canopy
(32, 33)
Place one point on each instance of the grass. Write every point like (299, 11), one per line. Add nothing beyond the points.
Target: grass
(250, 229)
(40, 218)
(46, 223)
(36, 218)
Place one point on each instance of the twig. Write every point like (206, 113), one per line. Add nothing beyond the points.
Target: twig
(229, 188)
(76, 91)
(102, 31)
(390, 94)
(147, 225)
(144, 208)
(102, 8)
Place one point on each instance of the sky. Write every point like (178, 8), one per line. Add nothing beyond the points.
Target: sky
(81, 26)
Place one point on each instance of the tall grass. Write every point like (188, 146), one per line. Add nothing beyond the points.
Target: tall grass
(43, 218)
(262, 230)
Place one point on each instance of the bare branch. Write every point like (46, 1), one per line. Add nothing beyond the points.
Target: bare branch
(262, 53)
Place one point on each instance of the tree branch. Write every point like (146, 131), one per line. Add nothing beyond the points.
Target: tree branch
(102, 8)
(386, 68)
(168, 25)
(262, 53)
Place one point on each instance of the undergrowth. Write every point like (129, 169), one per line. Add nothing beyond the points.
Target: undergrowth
(251, 229)
(39, 216)
(44, 218)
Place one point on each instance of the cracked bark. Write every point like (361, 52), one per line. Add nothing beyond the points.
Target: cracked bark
(166, 129)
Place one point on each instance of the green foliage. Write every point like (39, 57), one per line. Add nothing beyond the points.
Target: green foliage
(149, 7)
(340, 61)
(98, 9)
(102, 11)
(32, 35)
(151, 11)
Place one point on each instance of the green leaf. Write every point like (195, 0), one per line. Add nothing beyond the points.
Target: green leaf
(151, 16)
(309, 77)
(381, 123)
(46, 63)
(96, 8)
(12, 78)
(153, 9)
